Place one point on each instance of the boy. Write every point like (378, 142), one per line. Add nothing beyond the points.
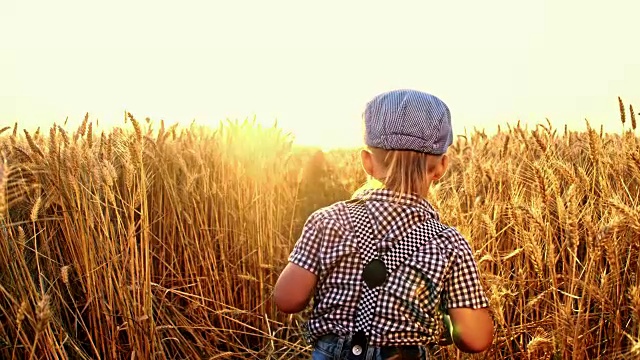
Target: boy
(382, 265)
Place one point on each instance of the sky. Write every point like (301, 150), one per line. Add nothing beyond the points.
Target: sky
(314, 65)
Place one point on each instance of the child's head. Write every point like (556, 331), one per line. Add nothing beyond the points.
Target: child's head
(407, 134)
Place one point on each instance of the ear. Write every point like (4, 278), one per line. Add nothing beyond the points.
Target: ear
(367, 161)
(442, 168)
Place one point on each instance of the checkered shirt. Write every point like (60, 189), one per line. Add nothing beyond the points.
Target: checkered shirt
(442, 273)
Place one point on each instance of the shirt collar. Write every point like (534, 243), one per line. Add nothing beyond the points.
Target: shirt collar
(386, 195)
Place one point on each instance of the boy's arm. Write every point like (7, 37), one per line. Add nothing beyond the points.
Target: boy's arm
(466, 304)
(472, 329)
(297, 282)
(294, 288)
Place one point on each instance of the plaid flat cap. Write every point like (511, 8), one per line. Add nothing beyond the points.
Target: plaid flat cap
(408, 120)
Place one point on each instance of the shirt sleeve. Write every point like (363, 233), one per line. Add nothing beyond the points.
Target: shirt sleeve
(306, 252)
(462, 288)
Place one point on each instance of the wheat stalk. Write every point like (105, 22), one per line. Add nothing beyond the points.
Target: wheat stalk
(34, 147)
(65, 137)
(90, 136)
(43, 313)
(623, 114)
(35, 209)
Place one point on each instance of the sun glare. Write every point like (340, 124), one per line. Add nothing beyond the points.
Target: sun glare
(211, 61)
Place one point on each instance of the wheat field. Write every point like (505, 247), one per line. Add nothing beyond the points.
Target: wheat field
(164, 242)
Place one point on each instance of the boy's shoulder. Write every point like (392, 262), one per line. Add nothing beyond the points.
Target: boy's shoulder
(452, 232)
(451, 238)
(336, 214)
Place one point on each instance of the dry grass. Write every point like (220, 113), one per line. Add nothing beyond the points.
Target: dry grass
(165, 243)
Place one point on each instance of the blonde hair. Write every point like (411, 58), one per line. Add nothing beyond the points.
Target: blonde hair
(406, 170)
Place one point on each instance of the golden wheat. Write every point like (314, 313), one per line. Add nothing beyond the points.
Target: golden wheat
(176, 237)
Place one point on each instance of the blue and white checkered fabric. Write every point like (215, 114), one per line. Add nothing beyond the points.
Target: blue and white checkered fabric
(441, 273)
(408, 120)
